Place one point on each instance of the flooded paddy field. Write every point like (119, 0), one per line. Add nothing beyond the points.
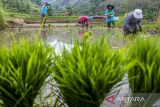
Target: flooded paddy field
(66, 35)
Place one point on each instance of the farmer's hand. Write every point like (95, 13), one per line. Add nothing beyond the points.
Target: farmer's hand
(109, 15)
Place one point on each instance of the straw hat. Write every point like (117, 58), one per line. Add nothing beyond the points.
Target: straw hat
(138, 14)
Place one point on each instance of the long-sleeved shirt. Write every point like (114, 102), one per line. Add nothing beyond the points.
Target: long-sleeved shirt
(44, 9)
(132, 22)
(84, 19)
(110, 15)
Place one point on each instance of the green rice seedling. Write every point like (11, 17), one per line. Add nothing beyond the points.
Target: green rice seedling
(143, 66)
(23, 69)
(86, 73)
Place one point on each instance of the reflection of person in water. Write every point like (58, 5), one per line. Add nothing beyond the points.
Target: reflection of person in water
(82, 31)
(44, 34)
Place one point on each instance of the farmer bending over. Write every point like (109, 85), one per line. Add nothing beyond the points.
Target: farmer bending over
(132, 21)
(85, 21)
(110, 15)
(44, 13)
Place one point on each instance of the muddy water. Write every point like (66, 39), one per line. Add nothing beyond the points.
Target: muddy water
(66, 35)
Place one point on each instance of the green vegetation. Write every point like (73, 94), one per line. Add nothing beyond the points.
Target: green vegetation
(97, 7)
(34, 18)
(12, 15)
(86, 73)
(18, 8)
(21, 6)
(82, 76)
(143, 66)
(38, 2)
(2, 21)
(23, 69)
(50, 10)
(144, 70)
(120, 22)
(31, 10)
(3, 16)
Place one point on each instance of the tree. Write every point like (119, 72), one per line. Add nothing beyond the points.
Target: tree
(50, 11)
(22, 6)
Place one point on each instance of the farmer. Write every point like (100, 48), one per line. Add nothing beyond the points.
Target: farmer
(110, 15)
(132, 21)
(44, 13)
(85, 21)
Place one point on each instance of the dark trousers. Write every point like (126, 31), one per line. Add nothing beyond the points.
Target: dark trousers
(110, 23)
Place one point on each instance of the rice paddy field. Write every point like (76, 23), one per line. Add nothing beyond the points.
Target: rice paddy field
(68, 33)
(102, 71)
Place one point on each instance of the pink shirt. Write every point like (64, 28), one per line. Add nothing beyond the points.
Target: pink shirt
(84, 19)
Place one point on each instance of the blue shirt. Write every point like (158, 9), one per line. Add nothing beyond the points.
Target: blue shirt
(44, 9)
(111, 15)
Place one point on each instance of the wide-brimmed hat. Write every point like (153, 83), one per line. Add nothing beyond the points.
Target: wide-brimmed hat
(109, 6)
(47, 3)
(138, 13)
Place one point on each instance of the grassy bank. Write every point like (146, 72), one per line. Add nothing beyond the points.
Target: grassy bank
(37, 18)
(3, 16)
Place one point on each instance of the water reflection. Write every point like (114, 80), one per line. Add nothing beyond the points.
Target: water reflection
(68, 35)
(44, 34)
(83, 30)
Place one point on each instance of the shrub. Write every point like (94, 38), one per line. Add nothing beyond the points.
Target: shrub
(86, 73)
(23, 69)
(3, 23)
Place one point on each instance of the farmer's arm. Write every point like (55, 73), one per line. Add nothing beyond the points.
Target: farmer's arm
(128, 20)
(127, 23)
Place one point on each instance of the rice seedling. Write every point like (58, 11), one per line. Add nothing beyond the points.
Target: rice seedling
(23, 69)
(143, 67)
(86, 73)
